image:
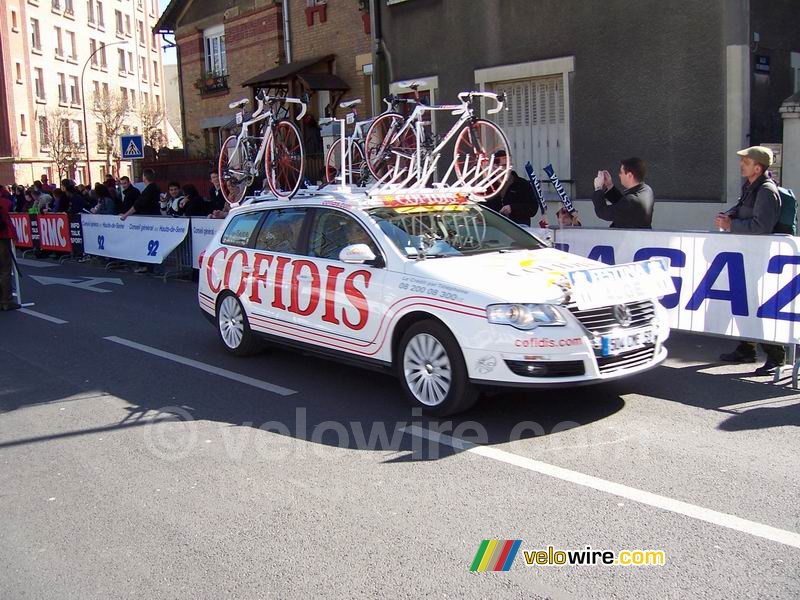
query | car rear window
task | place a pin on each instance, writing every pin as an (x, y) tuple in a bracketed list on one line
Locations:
[(240, 229)]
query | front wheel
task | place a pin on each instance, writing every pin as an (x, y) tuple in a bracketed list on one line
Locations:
[(233, 169), (432, 370), (387, 153), (476, 144), (356, 164), (234, 328), (284, 160)]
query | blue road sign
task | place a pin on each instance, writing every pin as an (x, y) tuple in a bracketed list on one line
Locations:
[(132, 147)]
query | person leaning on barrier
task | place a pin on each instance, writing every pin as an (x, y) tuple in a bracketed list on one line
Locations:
[(631, 208), (216, 201), (105, 203), (191, 204), (129, 194), (147, 202), (756, 212), (7, 236)]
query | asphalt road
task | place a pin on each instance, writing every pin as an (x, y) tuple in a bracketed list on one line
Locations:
[(154, 465)]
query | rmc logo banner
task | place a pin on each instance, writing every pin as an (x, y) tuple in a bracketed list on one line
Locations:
[(54, 232), (743, 286)]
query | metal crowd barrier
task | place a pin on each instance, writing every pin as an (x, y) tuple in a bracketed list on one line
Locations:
[(178, 263)]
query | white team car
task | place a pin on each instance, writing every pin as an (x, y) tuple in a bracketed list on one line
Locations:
[(450, 295)]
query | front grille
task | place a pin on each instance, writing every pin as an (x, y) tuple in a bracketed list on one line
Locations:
[(542, 368), (601, 321), (626, 360)]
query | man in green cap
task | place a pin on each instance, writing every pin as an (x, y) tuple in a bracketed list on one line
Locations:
[(756, 212)]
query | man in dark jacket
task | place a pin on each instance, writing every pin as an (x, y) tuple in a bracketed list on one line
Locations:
[(7, 235), (147, 202), (631, 208), (129, 194), (515, 200), (216, 201), (756, 212)]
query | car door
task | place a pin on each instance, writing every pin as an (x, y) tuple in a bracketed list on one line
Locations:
[(351, 296), (280, 242)]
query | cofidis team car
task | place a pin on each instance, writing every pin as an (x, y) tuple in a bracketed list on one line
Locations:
[(450, 295)]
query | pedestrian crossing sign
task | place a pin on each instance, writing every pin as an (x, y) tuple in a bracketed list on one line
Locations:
[(132, 147)]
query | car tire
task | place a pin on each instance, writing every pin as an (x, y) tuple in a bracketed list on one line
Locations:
[(234, 328), (432, 370)]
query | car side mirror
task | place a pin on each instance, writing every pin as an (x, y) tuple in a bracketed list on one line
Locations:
[(357, 254)]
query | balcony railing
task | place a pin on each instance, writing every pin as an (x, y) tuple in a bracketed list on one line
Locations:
[(211, 84)]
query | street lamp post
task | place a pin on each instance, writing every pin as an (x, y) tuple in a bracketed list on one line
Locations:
[(83, 96)]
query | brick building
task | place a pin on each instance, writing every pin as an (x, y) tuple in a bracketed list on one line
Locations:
[(229, 49), (55, 57)]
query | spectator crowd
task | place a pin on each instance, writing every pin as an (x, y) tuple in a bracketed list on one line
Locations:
[(117, 197)]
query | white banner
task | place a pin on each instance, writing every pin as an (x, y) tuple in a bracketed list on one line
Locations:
[(203, 231), (743, 286), (140, 239)]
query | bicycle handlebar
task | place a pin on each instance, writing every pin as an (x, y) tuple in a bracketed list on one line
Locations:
[(263, 98), (391, 100), (499, 98)]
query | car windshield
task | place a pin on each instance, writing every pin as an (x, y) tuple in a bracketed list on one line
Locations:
[(451, 230)]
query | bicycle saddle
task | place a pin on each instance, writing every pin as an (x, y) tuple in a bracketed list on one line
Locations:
[(350, 103), (413, 85), (239, 104)]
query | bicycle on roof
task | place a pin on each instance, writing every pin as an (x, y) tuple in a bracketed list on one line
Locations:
[(278, 143), (356, 171), (401, 151)]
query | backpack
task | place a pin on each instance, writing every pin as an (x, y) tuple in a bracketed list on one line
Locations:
[(787, 219)]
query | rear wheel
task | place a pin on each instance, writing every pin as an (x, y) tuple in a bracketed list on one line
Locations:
[(234, 328), (432, 370), (233, 169), (284, 160), (388, 154), (476, 144), (356, 164)]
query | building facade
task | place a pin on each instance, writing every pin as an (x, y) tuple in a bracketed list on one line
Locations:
[(229, 49), (48, 77), (589, 84)]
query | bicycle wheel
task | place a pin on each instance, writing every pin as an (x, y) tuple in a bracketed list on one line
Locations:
[(387, 154), (477, 142), (356, 163), (284, 160), (234, 170)]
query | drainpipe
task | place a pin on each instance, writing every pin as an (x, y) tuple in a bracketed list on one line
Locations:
[(287, 42), (181, 100), (377, 67)]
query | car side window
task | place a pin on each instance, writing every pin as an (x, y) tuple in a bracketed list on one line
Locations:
[(281, 231), (332, 231), (240, 229)]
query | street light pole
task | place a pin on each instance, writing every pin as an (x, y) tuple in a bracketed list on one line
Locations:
[(83, 98)]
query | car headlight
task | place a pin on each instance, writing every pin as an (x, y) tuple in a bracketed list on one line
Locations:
[(525, 316)]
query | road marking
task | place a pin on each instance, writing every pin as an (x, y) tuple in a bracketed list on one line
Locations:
[(37, 264), (39, 315), (782, 536), (85, 283), (257, 383)]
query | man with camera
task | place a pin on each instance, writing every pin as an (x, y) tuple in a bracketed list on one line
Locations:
[(631, 208)]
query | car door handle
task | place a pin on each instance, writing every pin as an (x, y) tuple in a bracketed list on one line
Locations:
[(304, 278)]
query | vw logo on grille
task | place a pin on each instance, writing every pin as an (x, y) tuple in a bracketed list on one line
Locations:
[(623, 315)]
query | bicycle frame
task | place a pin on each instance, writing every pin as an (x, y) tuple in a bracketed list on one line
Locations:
[(260, 114), (467, 113)]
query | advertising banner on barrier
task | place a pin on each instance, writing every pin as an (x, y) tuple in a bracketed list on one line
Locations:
[(76, 234), (141, 239), (743, 286), (203, 231), (54, 233), (22, 225)]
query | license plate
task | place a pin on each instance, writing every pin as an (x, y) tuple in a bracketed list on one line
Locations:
[(626, 341)]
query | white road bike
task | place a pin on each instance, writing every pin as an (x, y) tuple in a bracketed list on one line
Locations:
[(401, 151), (278, 143), (356, 172)]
